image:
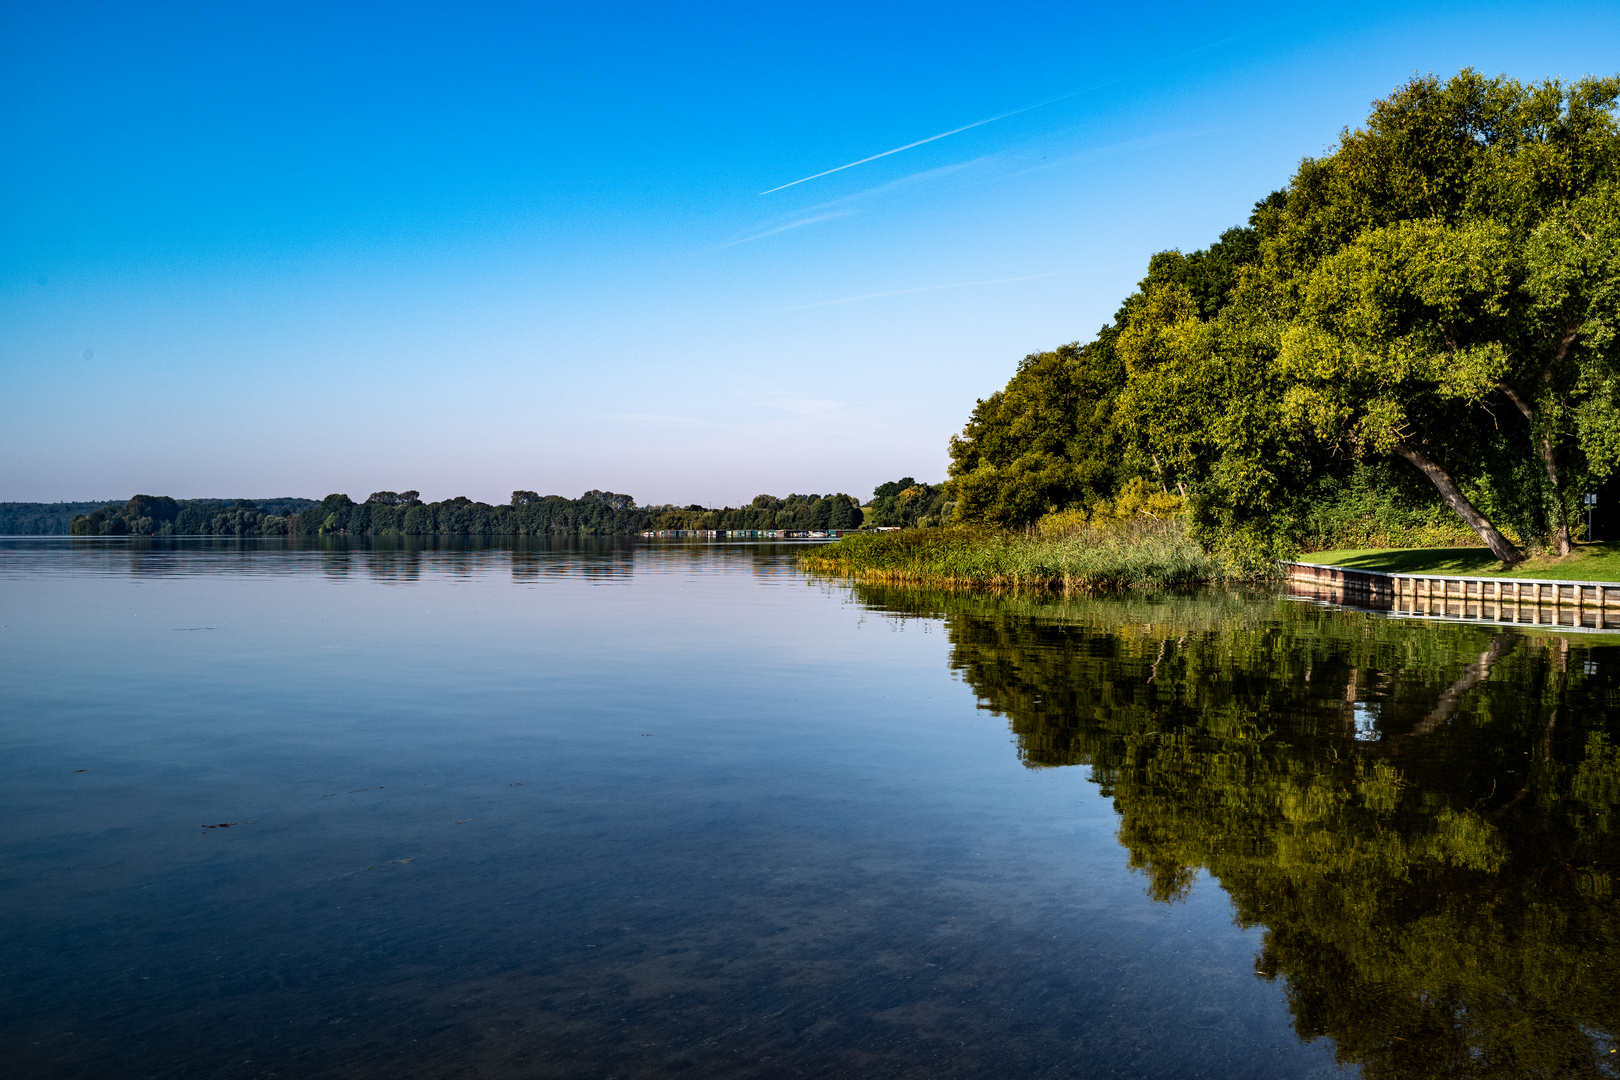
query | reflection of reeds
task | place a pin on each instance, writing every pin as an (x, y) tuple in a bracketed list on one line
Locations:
[(1130, 615), (1145, 553)]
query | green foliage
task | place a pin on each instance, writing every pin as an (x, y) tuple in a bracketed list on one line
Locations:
[(1044, 442), (41, 519), (1398, 334), (387, 513), (384, 513), (1200, 399), (597, 513), (1572, 277), (1208, 276), (147, 515), (1441, 291), (1139, 554), (905, 503), (1060, 435), (1068, 431), (1448, 274), (799, 513), (1378, 505)]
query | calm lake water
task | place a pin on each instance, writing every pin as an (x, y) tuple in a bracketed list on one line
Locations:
[(664, 808)]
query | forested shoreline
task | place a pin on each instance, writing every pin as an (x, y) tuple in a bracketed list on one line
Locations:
[(42, 519), (896, 504), (390, 513), (1412, 342)]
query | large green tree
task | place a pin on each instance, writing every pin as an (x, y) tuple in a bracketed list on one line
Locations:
[(1441, 289), (1053, 437), (1045, 441)]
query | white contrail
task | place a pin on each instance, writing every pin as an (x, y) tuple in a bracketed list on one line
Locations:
[(908, 146), (845, 201), (1143, 143), (1015, 112), (781, 229)]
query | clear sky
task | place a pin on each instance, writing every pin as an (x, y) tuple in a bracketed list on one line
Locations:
[(292, 249)]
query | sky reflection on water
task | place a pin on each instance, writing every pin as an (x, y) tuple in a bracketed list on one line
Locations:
[(640, 809)]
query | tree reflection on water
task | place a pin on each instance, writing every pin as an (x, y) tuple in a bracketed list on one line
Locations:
[(1421, 817)]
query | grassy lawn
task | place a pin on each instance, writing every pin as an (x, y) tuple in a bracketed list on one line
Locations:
[(1588, 562)]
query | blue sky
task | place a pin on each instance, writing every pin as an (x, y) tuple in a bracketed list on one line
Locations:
[(465, 248)]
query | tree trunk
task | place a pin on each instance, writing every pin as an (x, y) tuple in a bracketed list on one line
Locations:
[(1561, 533), (1476, 673), (1549, 462), (1159, 469), (1549, 455), (1459, 502)]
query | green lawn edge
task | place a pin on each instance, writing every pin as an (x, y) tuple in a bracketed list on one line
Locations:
[(1588, 562)]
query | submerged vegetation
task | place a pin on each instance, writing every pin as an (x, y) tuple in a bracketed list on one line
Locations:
[(1136, 554)]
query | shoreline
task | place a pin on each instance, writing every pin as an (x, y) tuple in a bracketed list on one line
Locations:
[(1151, 553)]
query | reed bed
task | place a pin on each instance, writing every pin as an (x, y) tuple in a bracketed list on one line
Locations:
[(1143, 554)]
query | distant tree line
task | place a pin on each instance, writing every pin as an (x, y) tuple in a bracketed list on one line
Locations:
[(403, 513), (389, 513), (384, 513), (40, 519), (766, 512), (160, 515)]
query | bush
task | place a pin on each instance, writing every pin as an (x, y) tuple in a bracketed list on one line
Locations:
[(1142, 553), (1379, 505)]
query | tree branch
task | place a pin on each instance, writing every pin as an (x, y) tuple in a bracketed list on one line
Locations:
[(1500, 546), (1516, 399), (1472, 676), (1570, 337)]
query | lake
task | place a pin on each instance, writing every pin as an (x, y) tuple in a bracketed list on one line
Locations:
[(645, 808)]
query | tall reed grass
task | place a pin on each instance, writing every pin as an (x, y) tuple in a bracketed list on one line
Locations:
[(1144, 553)]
